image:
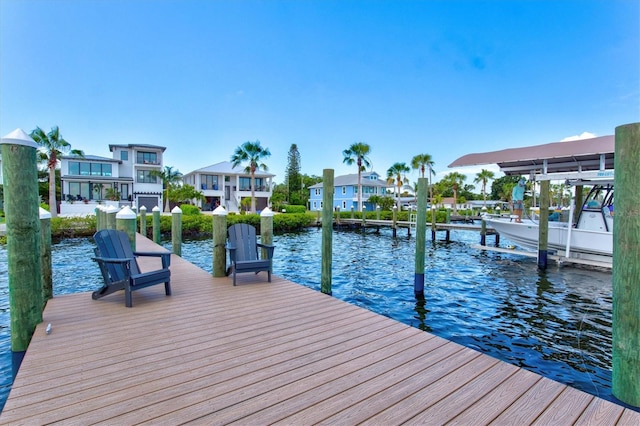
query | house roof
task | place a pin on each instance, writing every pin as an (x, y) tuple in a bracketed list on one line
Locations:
[(90, 158), (352, 179), (570, 156), (226, 168), (136, 145)]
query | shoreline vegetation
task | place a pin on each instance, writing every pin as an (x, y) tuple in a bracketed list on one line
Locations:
[(196, 224)]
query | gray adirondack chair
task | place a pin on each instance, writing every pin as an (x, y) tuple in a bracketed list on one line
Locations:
[(120, 270), (243, 251)]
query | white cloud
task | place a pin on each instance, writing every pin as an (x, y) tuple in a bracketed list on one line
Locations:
[(583, 135)]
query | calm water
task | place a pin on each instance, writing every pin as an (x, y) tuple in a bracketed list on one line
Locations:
[(556, 323)]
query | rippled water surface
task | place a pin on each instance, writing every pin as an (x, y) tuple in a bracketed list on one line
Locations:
[(555, 323)]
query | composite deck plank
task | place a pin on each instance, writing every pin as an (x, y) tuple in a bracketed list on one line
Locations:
[(261, 353)]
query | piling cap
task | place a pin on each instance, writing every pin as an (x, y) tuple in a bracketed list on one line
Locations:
[(266, 212), (112, 209), (44, 214), (219, 211), (176, 210), (126, 213), (143, 208), (156, 209), (19, 137)]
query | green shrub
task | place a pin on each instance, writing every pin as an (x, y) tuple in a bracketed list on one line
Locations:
[(188, 209), (293, 209)]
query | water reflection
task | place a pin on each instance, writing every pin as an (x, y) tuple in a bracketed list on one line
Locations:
[(556, 323)]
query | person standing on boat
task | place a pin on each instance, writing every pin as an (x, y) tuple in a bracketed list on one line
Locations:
[(517, 198)]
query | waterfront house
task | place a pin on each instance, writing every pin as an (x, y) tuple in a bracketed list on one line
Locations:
[(124, 179), (225, 185), (345, 194)]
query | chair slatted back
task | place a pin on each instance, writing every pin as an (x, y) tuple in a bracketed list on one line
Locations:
[(115, 244), (243, 238)]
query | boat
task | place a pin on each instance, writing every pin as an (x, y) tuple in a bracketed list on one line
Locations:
[(589, 239)]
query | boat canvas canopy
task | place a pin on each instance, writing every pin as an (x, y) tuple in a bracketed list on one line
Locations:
[(594, 154)]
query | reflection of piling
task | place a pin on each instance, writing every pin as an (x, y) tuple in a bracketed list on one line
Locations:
[(22, 212), (219, 240), (45, 258), (176, 231), (327, 230), (626, 266), (394, 221), (421, 230), (543, 226), (433, 222)]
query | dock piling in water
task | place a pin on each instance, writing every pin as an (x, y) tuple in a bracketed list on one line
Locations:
[(327, 230), (421, 231), (219, 240)]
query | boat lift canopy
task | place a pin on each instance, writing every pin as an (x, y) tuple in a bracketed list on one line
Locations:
[(580, 159)]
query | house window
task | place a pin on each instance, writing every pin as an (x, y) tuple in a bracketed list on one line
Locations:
[(315, 205), (124, 191), (144, 176), (89, 169), (80, 190), (317, 191), (344, 190), (124, 155), (245, 184), (344, 205), (143, 157), (209, 182)]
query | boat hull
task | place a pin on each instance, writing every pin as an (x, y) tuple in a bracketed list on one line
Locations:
[(585, 244)]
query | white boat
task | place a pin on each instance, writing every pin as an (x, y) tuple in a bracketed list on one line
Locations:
[(591, 238)]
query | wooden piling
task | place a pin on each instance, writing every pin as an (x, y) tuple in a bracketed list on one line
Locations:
[(394, 221), (483, 232), (219, 241), (327, 230), (156, 224), (433, 222), (266, 229), (111, 217), (22, 218), (176, 231), (543, 226), (626, 266), (143, 221), (45, 257), (421, 230), (126, 221)]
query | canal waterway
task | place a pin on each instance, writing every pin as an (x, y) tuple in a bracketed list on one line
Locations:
[(555, 323)]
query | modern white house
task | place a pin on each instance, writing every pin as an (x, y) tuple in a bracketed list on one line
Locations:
[(124, 179), (225, 185), (346, 191)]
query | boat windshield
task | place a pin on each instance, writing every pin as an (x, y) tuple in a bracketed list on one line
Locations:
[(600, 196)]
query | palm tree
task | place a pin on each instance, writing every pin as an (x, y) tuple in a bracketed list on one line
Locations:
[(484, 176), (358, 153), (396, 173), (52, 147), (421, 162), (169, 178), (252, 153), (456, 179)]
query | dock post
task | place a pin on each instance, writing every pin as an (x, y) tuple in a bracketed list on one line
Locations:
[(327, 230), (98, 218), (126, 221), (364, 218), (143, 221), (377, 213), (433, 222), (176, 231), (394, 221), (219, 241), (543, 225), (45, 258), (352, 216), (578, 204), (318, 218), (266, 229), (483, 232), (111, 217), (448, 217), (338, 216), (156, 224), (626, 268), (21, 206), (421, 232)]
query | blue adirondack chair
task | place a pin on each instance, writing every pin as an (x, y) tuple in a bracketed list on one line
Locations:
[(120, 269), (243, 251)]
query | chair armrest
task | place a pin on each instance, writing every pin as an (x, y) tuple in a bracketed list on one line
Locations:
[(166, 256), (270, 248), (113, 259), (232, 252)]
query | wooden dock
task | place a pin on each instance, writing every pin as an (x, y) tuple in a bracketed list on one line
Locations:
[(262, 353)]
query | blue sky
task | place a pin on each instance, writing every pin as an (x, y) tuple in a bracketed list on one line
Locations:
[(446, 78)]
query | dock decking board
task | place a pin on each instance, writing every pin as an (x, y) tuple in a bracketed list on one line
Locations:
[(262, 353)]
